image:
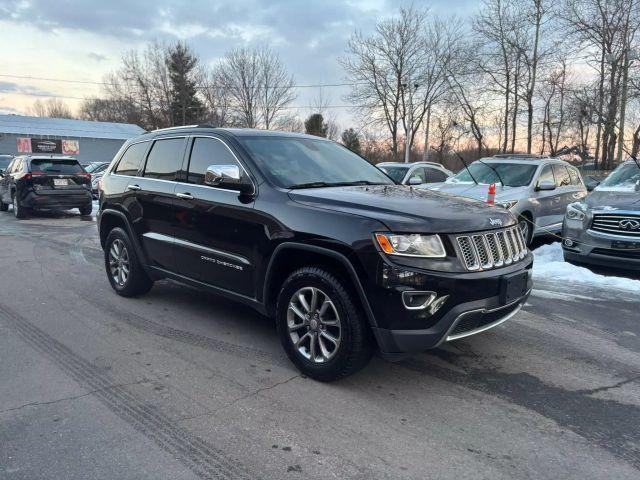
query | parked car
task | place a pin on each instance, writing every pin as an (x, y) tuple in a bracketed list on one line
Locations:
[(39, 182), (303, 230), (415, 173), (5, 160), (535, 189), (604, 228), (96, 170)]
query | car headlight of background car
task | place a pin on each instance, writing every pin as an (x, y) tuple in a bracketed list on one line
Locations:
[(507, 204), (412, 245), (576, 211)]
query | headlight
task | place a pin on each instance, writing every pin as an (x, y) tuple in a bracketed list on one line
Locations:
[(576, 211), (413, 245), (508, 204)]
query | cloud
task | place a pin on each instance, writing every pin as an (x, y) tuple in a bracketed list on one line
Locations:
[(98, 57), (11, 87)]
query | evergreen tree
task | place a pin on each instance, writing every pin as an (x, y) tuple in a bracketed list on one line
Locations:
[(315, 125), (186, 107), (351, 141)]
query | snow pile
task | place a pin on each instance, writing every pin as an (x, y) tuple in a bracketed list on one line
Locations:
[(549, 265)]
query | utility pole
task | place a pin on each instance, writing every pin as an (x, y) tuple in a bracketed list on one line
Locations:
[(629, 56), (427, 125), (409, 121)]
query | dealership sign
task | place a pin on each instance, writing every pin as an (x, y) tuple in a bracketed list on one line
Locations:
[(35, 145)]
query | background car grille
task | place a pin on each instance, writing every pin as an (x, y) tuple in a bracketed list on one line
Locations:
[(487, 250), (611, 223)]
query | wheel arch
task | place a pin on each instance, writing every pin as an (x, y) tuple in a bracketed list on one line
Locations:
[(289, 256), (110, 219)]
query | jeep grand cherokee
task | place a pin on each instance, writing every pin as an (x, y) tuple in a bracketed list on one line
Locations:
[(305, 231)]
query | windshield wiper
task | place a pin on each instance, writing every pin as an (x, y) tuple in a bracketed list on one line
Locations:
[(494, 171), (332, 184)]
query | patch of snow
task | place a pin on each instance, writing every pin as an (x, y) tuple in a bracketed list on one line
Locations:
[(549, 265)]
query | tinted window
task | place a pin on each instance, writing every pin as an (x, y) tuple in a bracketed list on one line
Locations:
[(575, 177), (397, 173), (206, 152), (67, 167), (295, 162), (165, 159), (546, 175), (562, 175), (434, 175), (132, 159)]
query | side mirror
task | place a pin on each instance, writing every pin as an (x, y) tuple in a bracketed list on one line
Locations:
[(545, 186), (591, 186), (415, 180), (227, 176)]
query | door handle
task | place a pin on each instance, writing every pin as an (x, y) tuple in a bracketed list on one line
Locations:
[(186, 196), (133, 187)]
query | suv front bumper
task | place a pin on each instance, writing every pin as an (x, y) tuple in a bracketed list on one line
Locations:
[(596, 248)]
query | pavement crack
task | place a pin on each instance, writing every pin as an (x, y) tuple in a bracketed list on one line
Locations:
[(610, 387), (240, 399), (74, 397)]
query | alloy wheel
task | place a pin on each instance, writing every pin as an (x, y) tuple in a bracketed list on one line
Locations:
[(314, 324), (119, 262)]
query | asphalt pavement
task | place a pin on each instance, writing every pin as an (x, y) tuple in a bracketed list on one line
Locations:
[(181, 384)]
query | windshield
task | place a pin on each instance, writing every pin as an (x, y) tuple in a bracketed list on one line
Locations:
[(303, 162), (395, 172), (92, 166), (623, 177), (5, 160), (56, 166), (513, 174)]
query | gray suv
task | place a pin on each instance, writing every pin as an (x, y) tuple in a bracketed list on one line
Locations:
[(536, 189), (604, 229)]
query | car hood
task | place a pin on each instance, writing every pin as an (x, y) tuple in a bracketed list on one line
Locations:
[(478, 192), (406, 209), (614, 199)]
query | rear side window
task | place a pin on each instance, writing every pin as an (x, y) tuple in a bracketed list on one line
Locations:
[(64, 167), (546, 175), (132, 159), (165, 159), (434, 175), (206, 152), (575, 177), (562, 176), (418, 172)]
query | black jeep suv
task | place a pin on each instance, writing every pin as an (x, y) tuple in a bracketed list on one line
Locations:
[(305, 231), (33, 182)]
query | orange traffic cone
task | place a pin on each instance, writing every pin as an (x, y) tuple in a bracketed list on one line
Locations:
[(491, 196)]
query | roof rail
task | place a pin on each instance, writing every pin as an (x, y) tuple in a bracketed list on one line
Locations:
[(523, 156), (201, 125)]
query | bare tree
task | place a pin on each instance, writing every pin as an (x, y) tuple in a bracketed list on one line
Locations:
[(276, 86), (217, 102), (53, 108)]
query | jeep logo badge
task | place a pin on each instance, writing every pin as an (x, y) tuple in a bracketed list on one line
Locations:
[(495, 221), (629, 224)]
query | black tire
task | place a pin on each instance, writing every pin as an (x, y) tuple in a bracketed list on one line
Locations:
[(19, 211), (86, 210), (3, 206), (355, 347), (137, 282), (529, 233)]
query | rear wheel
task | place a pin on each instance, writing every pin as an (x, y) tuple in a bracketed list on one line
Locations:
[(125, 273), (321, 329), (86, 210), (19, 211)]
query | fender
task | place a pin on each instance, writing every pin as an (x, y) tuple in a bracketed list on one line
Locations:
[(280, 249), (132, 236)]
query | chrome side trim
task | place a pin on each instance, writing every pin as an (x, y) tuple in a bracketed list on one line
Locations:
[(611, 236), (195, 246)]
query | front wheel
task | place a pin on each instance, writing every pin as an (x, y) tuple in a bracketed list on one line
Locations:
[(125, 273), (321, 329), (3, 206)]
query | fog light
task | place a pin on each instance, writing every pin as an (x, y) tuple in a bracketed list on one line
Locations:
[(568, 242), (413, 300)]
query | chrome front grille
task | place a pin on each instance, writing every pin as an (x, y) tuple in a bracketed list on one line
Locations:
[(617, 224), (487, 250)]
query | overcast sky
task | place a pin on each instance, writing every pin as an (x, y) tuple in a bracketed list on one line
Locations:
[(84, 39)]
